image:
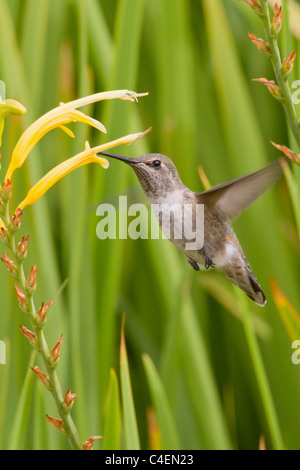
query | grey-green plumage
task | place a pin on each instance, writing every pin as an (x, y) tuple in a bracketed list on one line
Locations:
[(161, 183)]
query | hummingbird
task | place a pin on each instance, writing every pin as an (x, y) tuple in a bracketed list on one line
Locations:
[(221, 248)]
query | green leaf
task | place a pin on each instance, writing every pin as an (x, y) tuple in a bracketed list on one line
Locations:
[(165, 418), (112, 429), (132, 440), (20, 421)]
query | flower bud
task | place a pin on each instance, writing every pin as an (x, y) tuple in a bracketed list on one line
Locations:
[(272, 87), (69, 400), (16, 220), (21, 299), (277, 20), (58, 423), (295, 157), (254, 5), (41, 316), (32, 338), (22, 248), (43, 377), (287, 64), (9, 263), (3, 235), (31, 280), (261, 45), (55, 353), (6, 190), (87, 445)]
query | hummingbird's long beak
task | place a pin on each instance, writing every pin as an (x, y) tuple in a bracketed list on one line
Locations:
[(128, 160)]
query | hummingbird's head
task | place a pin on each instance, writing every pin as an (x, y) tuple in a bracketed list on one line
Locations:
[(157, 174)]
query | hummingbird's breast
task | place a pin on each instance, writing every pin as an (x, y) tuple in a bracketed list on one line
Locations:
[(181, 218)]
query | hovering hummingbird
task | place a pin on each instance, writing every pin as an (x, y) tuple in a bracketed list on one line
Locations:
[(221, 249)]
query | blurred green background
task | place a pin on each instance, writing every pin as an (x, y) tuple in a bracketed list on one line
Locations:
[(208, 368)]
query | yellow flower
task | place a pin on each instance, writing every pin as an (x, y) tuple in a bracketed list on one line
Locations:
[(8, 107), (83, 158), (1, 224), (58, 117)]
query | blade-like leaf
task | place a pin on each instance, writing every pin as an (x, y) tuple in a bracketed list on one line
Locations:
[(165, 418), (112, 429), (132, 440)]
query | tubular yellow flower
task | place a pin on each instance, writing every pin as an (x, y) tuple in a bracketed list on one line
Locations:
[(58, 117), (1, 223), (83, 158), (8, 107)]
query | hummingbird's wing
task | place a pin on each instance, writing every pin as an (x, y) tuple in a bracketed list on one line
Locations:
[(230, 199)]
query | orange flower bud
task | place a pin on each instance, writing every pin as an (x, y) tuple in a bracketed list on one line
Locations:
[(6, 190), (295, 157), (261, 45), (32, 338), (41, 316), (55, 353), (31, 281), (16, 220), (3, 234), (288, 63), (272, 87), (9, 264), (254, 5), (277, 20), (87, 445), (57, 423), (21, 299), (43, 377), (69, 400), (22, 247)]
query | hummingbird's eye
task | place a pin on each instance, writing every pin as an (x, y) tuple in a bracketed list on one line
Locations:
[(156, 163)]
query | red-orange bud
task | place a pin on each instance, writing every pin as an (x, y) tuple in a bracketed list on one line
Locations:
[(69, 400), (21, 299), (3, 234), (272, 87), (16, 220), (22, 247), (41, 316), (295, 157), (9, 264), (31, 280), (58, 423), (261, 45), (254, 5), (277, 20), (87, 445), (32, 338), (55, 353), (42, 376), (287, 64), (6, 190)]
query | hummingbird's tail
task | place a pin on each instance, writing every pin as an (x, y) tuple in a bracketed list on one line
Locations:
[(242, 276)]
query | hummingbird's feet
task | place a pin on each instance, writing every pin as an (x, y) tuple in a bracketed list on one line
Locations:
[(209, 263), (193, 264)]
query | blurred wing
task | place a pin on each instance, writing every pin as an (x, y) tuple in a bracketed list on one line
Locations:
[(230, 199)]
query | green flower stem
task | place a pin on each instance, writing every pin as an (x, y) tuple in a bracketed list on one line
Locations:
[(282, 82), (54, 388)]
